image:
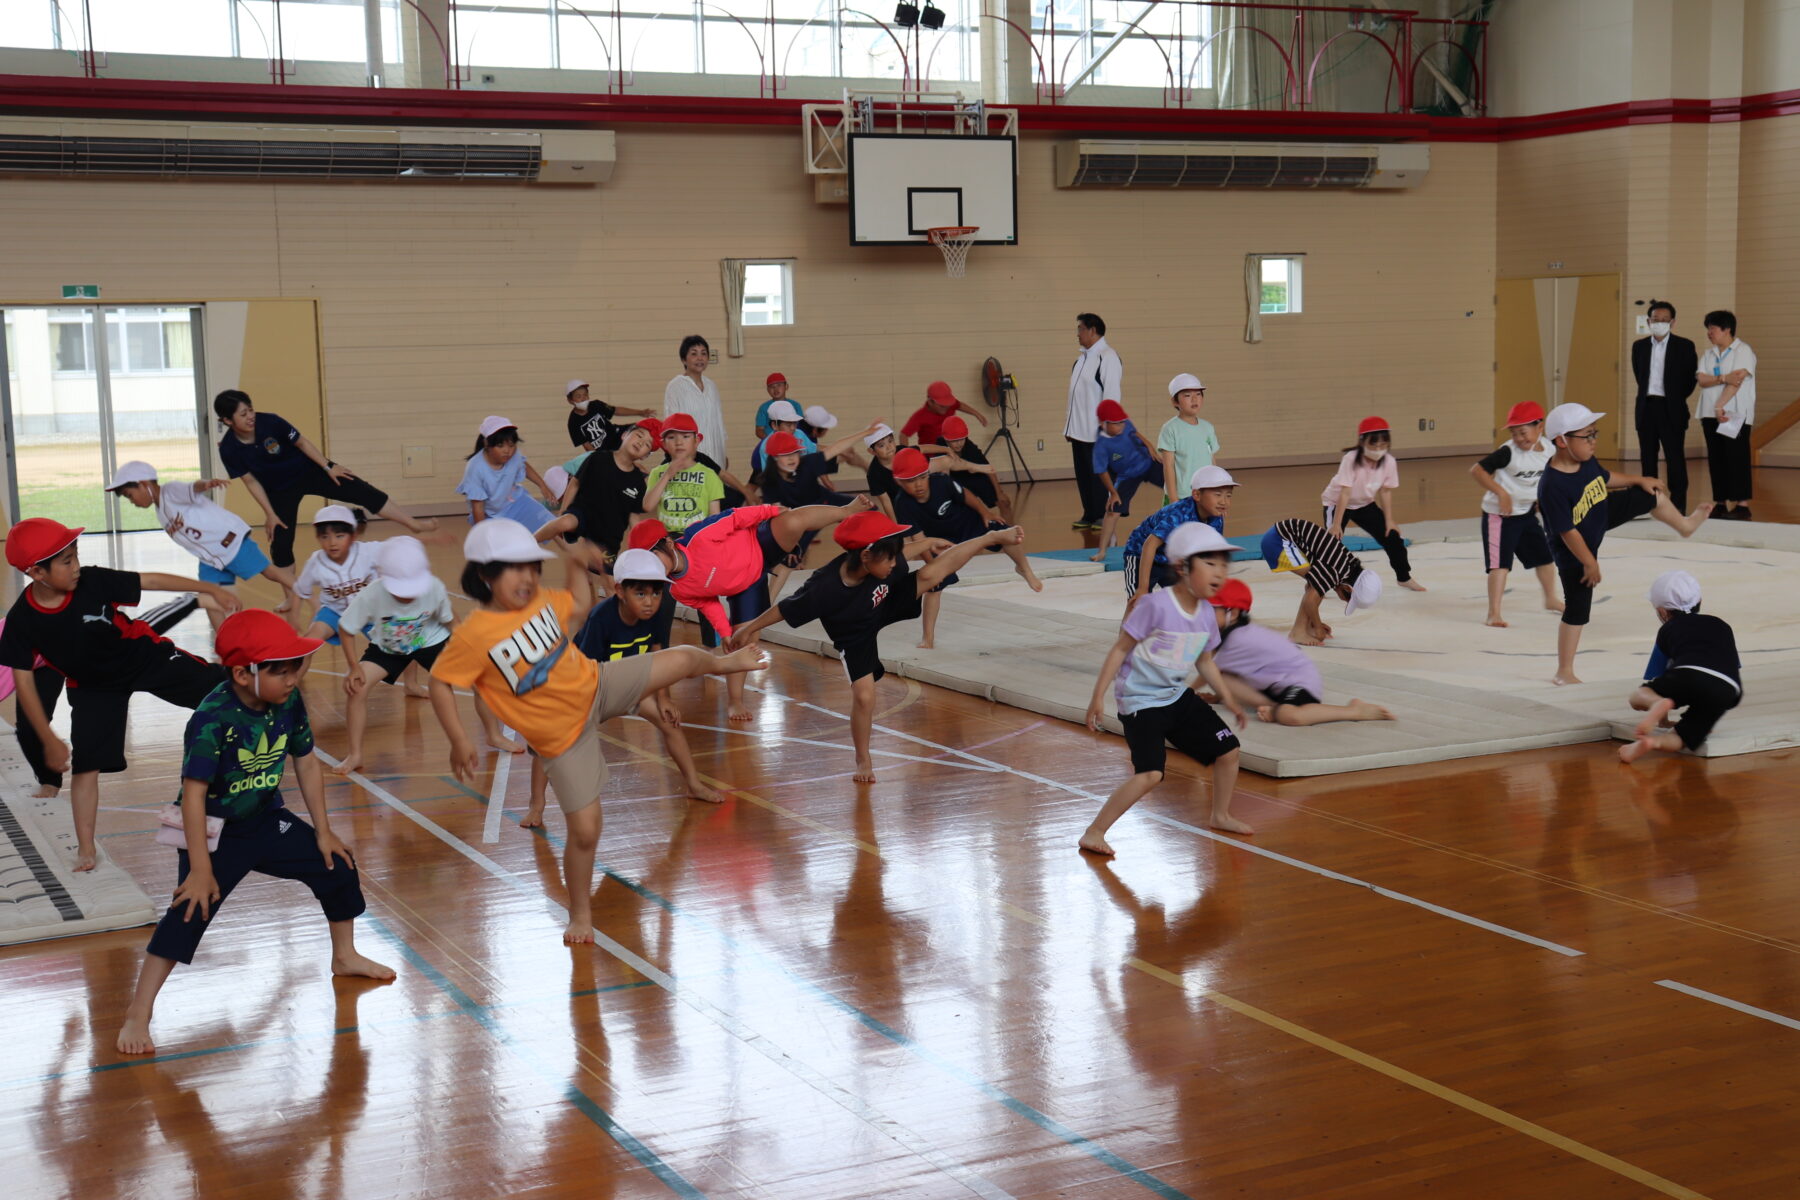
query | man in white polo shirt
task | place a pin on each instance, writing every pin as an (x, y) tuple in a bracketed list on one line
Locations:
[(1096, 377)]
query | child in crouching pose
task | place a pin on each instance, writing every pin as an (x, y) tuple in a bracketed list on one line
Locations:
[(1701, 675)]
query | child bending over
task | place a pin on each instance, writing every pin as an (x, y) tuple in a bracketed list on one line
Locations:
[(1268, 672)]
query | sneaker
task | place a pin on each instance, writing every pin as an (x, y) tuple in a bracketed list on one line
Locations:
[(1085, 525)]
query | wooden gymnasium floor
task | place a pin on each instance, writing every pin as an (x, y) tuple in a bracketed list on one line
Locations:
[(1535, 976)]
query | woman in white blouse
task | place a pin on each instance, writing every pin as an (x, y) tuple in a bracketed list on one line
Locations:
[(692, 393)]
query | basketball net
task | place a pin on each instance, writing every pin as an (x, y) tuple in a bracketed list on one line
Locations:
[(954, 241)]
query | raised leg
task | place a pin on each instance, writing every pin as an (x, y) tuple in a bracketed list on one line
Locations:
[(1547, 580), (690, 662), (1666, 512), (1022, 562), (534, 815), (496, 733), (283, 577), (400, 516)]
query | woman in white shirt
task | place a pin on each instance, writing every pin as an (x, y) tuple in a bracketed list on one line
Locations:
[(1727, 379), (692, 393)]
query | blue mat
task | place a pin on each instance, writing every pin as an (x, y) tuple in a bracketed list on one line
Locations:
[(1247, 549)]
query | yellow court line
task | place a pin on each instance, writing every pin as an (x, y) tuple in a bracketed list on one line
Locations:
[(913, 692), (1499, 1116)]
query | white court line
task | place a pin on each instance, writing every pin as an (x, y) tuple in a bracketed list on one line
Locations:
[(1739, 1005), (1235, 843), (490, 827), (846, 1100), (986, 769)]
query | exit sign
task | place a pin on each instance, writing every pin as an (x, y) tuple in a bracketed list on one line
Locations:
[(81, 291)]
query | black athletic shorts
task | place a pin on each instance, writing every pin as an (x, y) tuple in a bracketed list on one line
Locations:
[(1703, 698), (1291, 693), (1162, 575), (1504, 537), (1578, 598), (393, 664), (1190, 725), (97, 715)]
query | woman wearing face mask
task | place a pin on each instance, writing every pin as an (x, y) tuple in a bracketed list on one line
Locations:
[(1362, 491)]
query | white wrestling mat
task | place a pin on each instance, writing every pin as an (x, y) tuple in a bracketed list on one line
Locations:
[(40, 897), (1457, 687)]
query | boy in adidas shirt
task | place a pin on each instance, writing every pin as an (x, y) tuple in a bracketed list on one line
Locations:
[(237, 743)]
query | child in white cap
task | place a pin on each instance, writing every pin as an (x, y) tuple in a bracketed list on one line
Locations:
[(1163, 639), (1146, 565), (494, 479), (1701, 675), (1578, 509), (1186, 442), (342, 566), (1309, 550)]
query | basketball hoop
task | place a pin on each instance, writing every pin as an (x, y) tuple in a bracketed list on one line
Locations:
[(954, 241)]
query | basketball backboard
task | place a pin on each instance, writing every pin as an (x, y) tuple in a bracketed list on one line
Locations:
[(902, 184)]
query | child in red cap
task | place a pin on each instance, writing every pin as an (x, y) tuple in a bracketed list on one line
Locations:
[(70, 615), (683, 489), (976, 473), (1360, 492), (1509, 517), (795, 477), (1263, 670), (231, 820), (937, 507), (861, 592), (926, 425), (1123, 459)]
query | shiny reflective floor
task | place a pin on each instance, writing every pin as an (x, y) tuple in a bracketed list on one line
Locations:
[(1543, 975)]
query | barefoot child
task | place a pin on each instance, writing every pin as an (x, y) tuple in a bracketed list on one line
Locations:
[(937, 507), (215, 535), (69, 615), (1509, 521), (1146, 565), (1269, 673), (341, 567), (1163, 639), (861, 592), (1301, 546), (1185, 443), (1575, 498), (514, 651), (1702, 674), (1362, 491), (237, 743), (495, 474), (1122, 461)]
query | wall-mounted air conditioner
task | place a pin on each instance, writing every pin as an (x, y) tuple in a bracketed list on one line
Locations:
[(1240, 165)]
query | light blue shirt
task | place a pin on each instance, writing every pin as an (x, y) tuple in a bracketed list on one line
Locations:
[(495, 487)]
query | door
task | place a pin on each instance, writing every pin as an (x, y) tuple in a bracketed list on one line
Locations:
[(1557, 340), (88, 387)]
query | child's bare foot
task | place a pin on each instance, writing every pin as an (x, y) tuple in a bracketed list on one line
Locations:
[(1564, 678), (351, 762), (533, 818), (1632, 751), (357, 965), (87, 860), (1229, 823), (1495, 620), (1321, 629), (865, 771), (699, 791), (1550, 605), (1412, 585), (1093, 843), (578, 933), (134, 1036), (926, 644), (750, 658), (1097, 556), (1363, 710), (417, 691), (1036, 584), (427, 524), (506, 745), (45, 791), (1653, 717), (1695, 519), (737, 712), (1305, 637), (1266, 712), (287, 605)]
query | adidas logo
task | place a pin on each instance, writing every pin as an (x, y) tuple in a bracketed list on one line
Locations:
[(262, 763)]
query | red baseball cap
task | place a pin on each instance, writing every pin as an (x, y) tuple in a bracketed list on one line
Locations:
[(1372, 425), (864, 529), (652, 426), (782, 443), (953, 428), (682, 423), (1111, 410), (775, 377), (940, 393), (37, 538), (646, 534), (1234, 593), (910, 463), (256, 635), (1526, 412)]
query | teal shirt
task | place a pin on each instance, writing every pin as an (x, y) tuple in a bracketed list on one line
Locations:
[(1194, 447), (240, 753)]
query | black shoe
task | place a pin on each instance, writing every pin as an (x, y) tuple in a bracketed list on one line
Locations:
[(1741, 513)]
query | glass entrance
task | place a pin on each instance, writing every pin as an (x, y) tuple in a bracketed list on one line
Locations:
[(88, 387)]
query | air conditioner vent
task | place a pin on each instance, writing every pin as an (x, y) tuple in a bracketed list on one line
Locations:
[(1237, 165)]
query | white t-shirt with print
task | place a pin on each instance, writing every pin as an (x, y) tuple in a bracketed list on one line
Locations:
[(211, 533), (400, 626), (338, 583)]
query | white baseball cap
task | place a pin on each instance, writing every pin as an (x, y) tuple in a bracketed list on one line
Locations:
[(335, 512), (557, 480), (641, 566), (881, 431), (492, 425), (1184, 383), (405, 571), (1675, 591), (1211, 477), (572, 385), (1190, 538), (132, 472), (1364, 592), (819, 418), (1567, 418), (784, 410), (502, 539)]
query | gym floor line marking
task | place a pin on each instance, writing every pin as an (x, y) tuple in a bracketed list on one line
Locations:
[(855, 1105), (1728, 1002), (1462, 1100), (763, 737), (496, 798)]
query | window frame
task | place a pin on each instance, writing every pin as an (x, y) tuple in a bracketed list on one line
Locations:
[(787, 294), (1296, 285)]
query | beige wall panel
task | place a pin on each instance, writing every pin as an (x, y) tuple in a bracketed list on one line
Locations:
[(1562, 200), (1768, 260)]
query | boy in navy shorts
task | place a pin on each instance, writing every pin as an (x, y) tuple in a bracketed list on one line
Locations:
[(1700, 674), (70, 615), (232, 819), (1574, 496)]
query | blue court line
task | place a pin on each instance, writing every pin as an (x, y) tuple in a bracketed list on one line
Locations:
[(582, 1102), (874, 1024)]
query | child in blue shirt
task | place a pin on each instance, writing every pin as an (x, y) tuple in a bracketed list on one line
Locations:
[(494, 479), (1122, 461), (1163, 640), (1146, 567)]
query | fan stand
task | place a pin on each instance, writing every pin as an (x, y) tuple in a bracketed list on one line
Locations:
[(1009, 416)]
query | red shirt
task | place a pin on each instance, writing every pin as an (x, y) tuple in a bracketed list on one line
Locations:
[(928, 425)]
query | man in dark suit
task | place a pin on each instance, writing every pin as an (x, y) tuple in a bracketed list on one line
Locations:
[(1665, 366)]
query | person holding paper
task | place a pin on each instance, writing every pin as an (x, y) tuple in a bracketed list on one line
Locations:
[(1727, 379)]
